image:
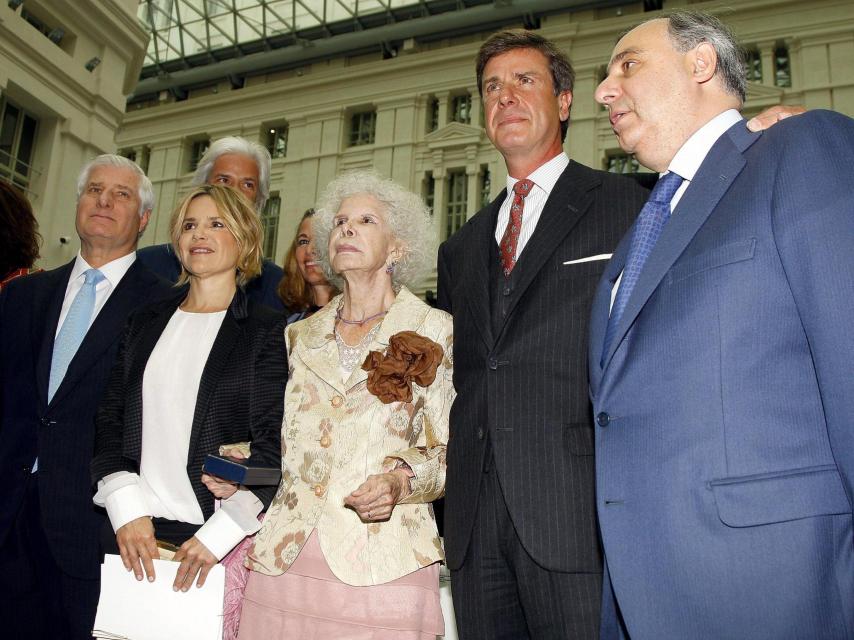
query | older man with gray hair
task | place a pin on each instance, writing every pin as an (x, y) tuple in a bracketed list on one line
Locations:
[(245, 166), (59, 335), (721, 356)]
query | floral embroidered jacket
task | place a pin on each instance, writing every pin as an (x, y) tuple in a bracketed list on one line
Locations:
[(336, 433)]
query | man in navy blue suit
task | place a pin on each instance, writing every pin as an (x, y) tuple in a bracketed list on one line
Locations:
[(59, 334), (721, 354), (244, 165)]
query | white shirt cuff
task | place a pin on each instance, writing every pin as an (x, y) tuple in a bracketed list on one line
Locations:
[(236, 519), (122, 497)]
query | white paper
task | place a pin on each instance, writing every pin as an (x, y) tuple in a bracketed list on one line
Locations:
[(142, 610)]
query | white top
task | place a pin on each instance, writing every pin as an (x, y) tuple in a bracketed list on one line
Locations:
[(690, 156), (113, 272), (544, 178), (162, 488)]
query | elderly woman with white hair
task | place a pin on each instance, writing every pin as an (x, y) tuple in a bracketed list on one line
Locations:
[(349, 547)]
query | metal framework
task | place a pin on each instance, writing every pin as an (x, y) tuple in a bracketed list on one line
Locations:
[(197, 42), (191, 33)]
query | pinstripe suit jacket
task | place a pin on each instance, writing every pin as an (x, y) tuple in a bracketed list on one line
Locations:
[(60, 432), (527, 385), (240, 398)]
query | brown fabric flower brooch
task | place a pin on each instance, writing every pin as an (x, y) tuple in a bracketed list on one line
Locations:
[(408, 358)]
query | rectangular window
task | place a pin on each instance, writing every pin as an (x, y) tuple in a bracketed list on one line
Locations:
[(18, 131), (782, 68), (433, 115), (457, 201), (753, 65), (277, 141), (429, 190), (363, 127), (270, 222), (485, 186), (622, 163), (461, 109), (197, 150)]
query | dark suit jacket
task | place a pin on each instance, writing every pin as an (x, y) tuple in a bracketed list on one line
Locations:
[(61, 433), (725, 459), (527, 385), (241, 393), (161, 259)]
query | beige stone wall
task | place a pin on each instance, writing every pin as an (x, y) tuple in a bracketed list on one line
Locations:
[(78, 111)]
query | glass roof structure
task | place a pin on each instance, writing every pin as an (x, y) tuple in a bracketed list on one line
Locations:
[(189, 33), (195, 42)]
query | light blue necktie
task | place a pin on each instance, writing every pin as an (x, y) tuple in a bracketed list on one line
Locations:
[(653, 216), (73, 330)]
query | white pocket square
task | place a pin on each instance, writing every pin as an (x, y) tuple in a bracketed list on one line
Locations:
[(601, 256)]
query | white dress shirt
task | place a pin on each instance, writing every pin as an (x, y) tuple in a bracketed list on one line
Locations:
[(113, 272), (162, 488), (544, 178), (690, 156)]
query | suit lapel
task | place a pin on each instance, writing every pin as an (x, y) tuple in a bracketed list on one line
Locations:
[(107, 327), (568, 201), (54, 296), (318, 350), (602, 307), (718, 171), (477, 266)]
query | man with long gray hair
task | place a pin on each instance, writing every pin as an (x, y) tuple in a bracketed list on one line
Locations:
[(243, 165), (721, 356), (59, 335)]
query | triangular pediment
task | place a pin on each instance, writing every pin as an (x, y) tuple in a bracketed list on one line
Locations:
[(760, 94), (454, 134)]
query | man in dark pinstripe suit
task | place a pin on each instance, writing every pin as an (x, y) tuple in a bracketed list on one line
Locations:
[(520, 524)]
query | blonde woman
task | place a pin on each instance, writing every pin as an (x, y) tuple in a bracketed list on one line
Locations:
[(349, 547), (201, 369)]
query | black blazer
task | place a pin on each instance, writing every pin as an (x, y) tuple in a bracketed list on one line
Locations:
[(525, 388), (264, 289), (241, 393), (61, 433)]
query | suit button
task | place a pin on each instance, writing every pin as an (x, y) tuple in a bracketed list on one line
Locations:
[(45, 422), (603, 419), (506, 291), (337, 401), (493, 364), (480, 434), (25, 469)]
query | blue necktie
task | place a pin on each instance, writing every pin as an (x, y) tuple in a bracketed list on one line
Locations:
[(73, 330), (650, 223)]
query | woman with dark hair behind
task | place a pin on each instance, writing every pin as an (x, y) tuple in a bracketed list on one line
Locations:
[(19, 238), (304, 288)]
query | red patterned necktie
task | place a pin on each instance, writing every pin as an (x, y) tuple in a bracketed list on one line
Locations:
[(514, 225)]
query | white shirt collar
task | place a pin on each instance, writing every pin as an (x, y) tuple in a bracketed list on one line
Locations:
[(113, 271), (690, 156), (546, 175)]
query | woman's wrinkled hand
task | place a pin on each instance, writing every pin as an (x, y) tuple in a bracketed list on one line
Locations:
[(195, 559), (220, 487), (138, 547), (376, 497)]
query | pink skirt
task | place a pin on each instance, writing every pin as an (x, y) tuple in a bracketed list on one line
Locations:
[(309, 603)]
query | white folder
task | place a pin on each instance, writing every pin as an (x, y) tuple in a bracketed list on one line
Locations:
[(140, 610)]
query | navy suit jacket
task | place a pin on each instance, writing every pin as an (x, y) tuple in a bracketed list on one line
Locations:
[(61, 433), (161, 259), (725, 408)]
